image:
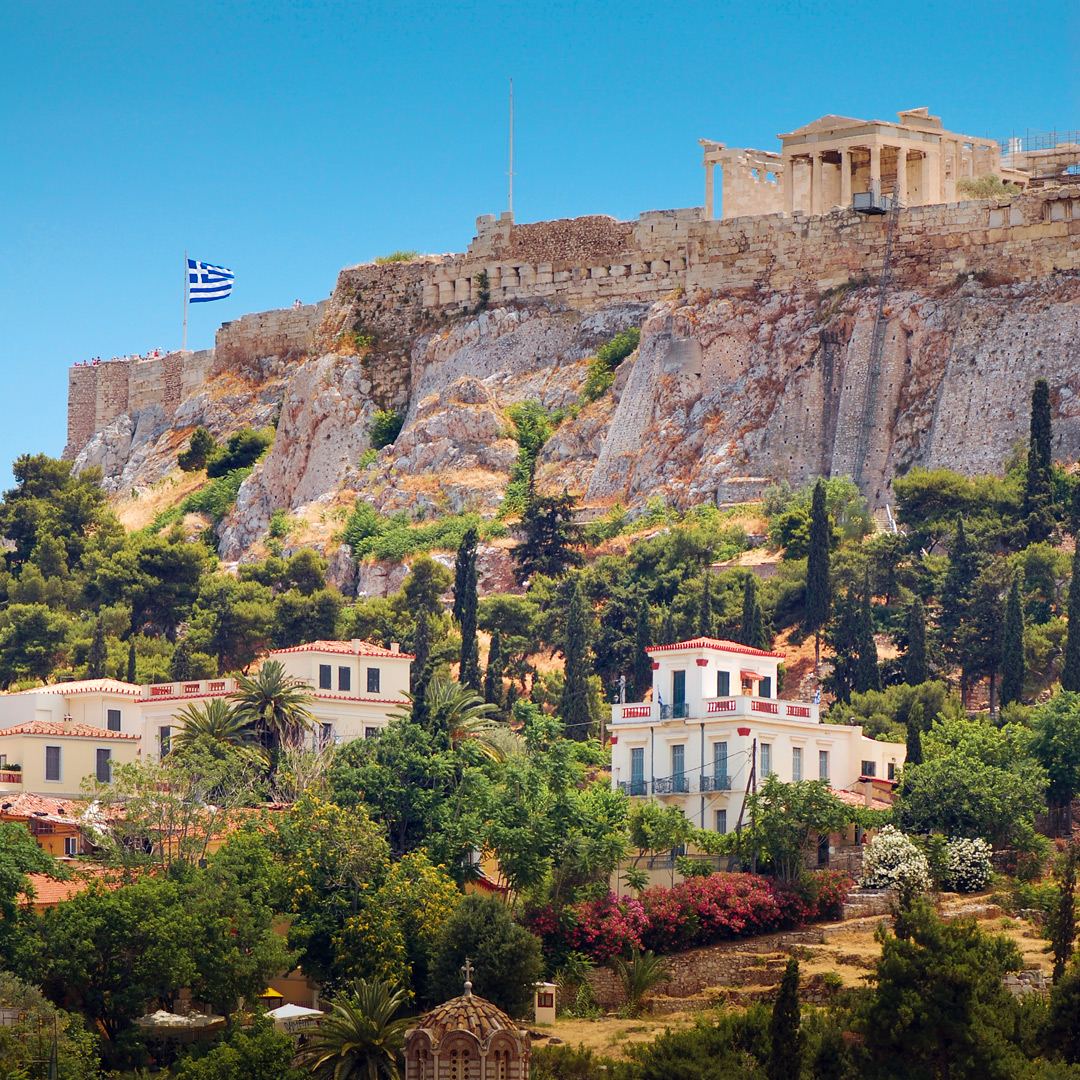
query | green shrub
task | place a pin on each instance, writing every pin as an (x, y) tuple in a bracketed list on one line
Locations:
[(241, 451), (367, 458), (369, 534), (385, 427), (280, 525), (608, 357), (986, 187), (531, 427), (217, 498), (201, 446), (403, 255)]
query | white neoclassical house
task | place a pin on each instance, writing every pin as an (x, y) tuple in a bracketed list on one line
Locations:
[(714, 712), (356, 687)]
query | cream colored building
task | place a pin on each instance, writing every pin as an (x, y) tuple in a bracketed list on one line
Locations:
[(55, 757), (356, 686), (714, 714), (834, 159)]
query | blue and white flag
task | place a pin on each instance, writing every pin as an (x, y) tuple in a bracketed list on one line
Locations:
[(206, 282)]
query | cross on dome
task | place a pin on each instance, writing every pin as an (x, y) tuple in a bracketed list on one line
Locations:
[(467, 970)]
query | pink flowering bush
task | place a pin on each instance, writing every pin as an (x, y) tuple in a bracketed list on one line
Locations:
[(698, 911)]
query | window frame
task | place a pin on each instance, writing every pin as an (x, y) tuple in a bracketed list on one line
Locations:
[(721, 817), (765, 759), (59, 777), (796, 760), (109, 714), (374, 680), (869, 773), (823, 765), (107, 751), (326, 676), (344, 678), (723, 684)]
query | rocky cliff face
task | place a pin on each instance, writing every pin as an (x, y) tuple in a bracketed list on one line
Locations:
[(725, 392)]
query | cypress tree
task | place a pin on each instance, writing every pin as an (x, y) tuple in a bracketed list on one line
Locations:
[(1061, 926), (1070, 669), (914, 735), (493, 676), (574, 705), (752, 625), (421, 650), (785, 1041), (98, 654), (180, 667), (817, 570), (916, 669), (641, 675), (866, 669), (956, 594), (667, 628), (705, 612), (844, 639), (1038, 492), (131, 662), (1013, 668), (465, 605)]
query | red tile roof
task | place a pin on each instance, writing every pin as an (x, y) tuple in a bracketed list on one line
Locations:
[(48, 892), (719, 644), (86, 686), (58, 728), (851, 798), (345, 648), (27, 803)]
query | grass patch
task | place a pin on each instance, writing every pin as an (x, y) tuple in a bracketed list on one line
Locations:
[(216, 498), (372, 535), (404, 255), (608, 357)]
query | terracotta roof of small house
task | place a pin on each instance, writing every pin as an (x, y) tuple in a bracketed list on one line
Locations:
[(851, 798), (719, 644), (85, 686), (345, 648), (48, 892), (465, 1013), (58, 728), (28, 804)]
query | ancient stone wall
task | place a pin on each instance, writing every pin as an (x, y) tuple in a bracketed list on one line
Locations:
[(588, 262), (288, 332)]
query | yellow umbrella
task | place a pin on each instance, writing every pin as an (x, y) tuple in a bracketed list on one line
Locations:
[(270, 992)]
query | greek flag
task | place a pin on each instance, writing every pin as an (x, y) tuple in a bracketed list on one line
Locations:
[(206, 282)]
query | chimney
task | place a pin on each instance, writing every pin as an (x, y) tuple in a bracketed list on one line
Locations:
[(356, 643), (869, 794), (395, 646), (67, 721)]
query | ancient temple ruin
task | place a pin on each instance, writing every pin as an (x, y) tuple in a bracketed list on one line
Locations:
[(831, 161)]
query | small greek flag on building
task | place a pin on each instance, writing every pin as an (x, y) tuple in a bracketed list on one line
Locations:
[(206, 282)]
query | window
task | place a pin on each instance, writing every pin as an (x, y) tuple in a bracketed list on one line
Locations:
[(678, 687), (114, 719), (373, 680), (325, 681), (723, 683), (766, 758), (326, 735), (719, 764), (71, 846), (765, 687), (104, 766), (637, 770), (869, 768), (164, 741), (721, 821), (52, 763), (678, 767), (796, 764), (823, 764), (344, 678), (370, 732), (892, 770)]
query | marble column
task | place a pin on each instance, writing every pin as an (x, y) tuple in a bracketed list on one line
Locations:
[(875, 170), (901, 174), (816, 192), (708, 189), (789, 185), (845, 178)]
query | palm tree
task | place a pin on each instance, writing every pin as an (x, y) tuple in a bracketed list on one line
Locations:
[(463, 714), (359, 1040), (639, 975), (275, 704), (215, 719)]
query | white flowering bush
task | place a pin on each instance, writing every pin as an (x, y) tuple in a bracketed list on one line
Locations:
[(892, 861), (968, 865)]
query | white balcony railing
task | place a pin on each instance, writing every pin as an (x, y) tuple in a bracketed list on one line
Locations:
[(193, 688), (715, 709)]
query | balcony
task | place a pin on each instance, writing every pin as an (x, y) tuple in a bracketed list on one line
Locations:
[(7, 776), (672, 785), (714, 783), (679, 784), (733, 708), (195, 688)]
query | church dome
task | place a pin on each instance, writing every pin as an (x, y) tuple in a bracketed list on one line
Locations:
[(465, 1013)]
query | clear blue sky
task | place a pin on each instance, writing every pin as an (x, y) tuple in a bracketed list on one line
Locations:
[(286, 140)]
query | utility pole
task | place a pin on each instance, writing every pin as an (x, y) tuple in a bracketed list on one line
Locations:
[(511, 173)]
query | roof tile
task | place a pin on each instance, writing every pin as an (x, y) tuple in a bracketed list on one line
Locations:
[(345, 648), (58, 728), (719, 644)]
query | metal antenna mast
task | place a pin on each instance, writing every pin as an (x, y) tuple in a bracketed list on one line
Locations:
[(511, 174)]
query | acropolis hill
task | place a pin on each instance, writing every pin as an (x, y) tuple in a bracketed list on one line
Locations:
[(774, 344)]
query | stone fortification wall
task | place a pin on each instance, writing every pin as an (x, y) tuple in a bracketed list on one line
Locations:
[(592, 261), (289, 332)]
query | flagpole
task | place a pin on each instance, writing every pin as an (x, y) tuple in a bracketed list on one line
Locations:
[(183, 348)]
